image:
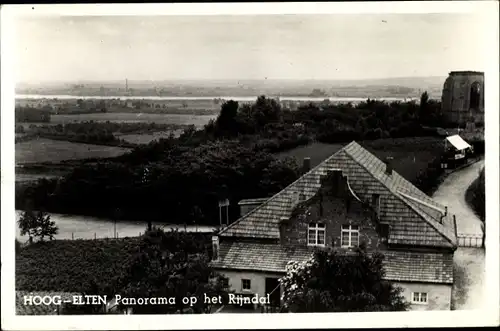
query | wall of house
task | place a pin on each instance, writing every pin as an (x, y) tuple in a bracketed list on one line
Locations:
[(333, 209), (438, 295), (334, 215), (257, 280)]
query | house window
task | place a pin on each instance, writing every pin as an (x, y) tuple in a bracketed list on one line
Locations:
[(246, 284), (350, 236), (419, 298), (316, 234)]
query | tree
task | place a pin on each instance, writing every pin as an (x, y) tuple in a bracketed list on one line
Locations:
[(37, 225), (424, 107), (171, 265), (226, 121), (335, 282)]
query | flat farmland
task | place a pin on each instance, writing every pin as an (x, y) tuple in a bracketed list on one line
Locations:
[(181, 119), (47, 150), (410, 155), (146, 138)]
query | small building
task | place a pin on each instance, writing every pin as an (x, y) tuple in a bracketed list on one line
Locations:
[(456, 151), (462, 100), (351, 199)]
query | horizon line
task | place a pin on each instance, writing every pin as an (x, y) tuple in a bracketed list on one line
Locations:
[(234, 79)]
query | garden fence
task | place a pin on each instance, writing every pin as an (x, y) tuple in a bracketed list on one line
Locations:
[(470, 240)]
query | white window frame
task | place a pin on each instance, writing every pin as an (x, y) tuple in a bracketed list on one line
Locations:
[(243, 280), (318, 228), (349, 229), (417, 298)]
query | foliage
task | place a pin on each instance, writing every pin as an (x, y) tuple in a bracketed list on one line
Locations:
[(184, 179), (37, 225), (158, 264), (336, 282), (30, 114), (100, 133), (189, 174), (72, 265), (171, 265), (430, 111), (476, 195)]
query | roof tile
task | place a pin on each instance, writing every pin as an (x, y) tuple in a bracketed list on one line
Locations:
[(413, 216), (399, 266)]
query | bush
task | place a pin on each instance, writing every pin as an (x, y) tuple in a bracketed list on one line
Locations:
[(476, 195)]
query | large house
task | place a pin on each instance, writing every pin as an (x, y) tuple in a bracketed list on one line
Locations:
[(350, 199)]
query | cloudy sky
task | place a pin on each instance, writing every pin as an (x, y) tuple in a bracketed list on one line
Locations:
[(329, 46)]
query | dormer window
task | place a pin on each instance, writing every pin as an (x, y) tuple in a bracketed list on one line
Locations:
[(316, 234)]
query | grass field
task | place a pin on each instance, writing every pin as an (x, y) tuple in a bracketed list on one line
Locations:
[(411, 155), (146, 138), (47, 150), (197, 120)]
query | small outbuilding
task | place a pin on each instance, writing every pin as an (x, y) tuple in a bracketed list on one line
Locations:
[(457, 150)]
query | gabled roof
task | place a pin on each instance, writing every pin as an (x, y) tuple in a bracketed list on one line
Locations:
[(458, 142), (249, 256), (399, 266), (414, 218)]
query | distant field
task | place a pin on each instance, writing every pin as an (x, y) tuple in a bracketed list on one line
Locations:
[(20, 177), (146, 138), (411, 155), (46, 150), (197, 120)]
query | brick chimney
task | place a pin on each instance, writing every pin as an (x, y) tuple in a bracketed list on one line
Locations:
[(388, 165), (306, 165)]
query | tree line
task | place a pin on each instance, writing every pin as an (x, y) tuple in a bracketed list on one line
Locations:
[(181, 180)]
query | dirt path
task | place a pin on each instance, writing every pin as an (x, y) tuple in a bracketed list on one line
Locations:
[(451, 193), (468, 289)]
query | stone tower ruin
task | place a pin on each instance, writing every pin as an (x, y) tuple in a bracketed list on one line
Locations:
[(462, 100)]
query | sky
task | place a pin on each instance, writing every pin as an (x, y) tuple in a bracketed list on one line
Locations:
[(323, 47)]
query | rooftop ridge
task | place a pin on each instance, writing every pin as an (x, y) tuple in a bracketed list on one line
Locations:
[(418, 200), (416, 189), (432, 224), (316, 168)]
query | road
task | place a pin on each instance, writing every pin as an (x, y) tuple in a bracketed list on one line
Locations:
[(451, 193), (469, 268)]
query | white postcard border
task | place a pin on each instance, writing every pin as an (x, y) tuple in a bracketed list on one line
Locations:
[(487, 316)]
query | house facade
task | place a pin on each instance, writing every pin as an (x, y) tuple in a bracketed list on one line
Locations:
[(351, 199)]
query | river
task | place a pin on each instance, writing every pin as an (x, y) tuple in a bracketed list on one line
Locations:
[(194, 98), (86, 227)]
